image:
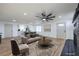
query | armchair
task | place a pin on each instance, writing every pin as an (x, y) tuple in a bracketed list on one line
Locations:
[(21, 49)]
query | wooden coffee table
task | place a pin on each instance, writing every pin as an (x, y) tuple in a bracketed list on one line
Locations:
[(44, 42)]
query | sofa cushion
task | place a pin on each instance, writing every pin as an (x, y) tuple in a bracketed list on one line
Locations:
[(18, 40), (23, 46), (24, 49), (31, 40), (24, 40)]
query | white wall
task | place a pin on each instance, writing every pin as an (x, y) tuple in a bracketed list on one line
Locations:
[(15, 28), (66, 18), (2, 29), (52, 33)]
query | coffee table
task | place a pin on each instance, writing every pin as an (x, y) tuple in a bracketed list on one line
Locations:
[(44, 42)]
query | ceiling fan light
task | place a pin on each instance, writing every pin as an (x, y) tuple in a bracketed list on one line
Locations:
[(44, 19)]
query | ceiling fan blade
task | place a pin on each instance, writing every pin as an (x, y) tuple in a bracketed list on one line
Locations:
[(43, 14), (49, 14), (47, 20), (39, 16), (52, 17)]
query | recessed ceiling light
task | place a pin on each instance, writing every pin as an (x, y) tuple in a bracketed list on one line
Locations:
[(59, 16), (60, 24), (25, 13), (14, 20)]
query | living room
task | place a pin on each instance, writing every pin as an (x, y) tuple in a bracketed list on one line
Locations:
[(36, 21)]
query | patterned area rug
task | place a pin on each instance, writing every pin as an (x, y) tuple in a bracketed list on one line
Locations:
[(34, 50), (54, 50)]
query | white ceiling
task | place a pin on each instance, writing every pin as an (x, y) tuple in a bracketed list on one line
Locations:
[(11, 11)]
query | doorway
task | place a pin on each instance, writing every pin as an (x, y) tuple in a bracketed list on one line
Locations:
[(61, 30), (8, 30)]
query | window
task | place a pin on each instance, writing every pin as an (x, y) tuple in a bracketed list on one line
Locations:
[(38, 28), (22, 27)]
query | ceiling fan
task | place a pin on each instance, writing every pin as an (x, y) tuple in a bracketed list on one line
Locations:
[(46, 17)]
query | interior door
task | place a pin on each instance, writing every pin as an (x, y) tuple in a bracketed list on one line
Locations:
[(61, 30), (8, 30)]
